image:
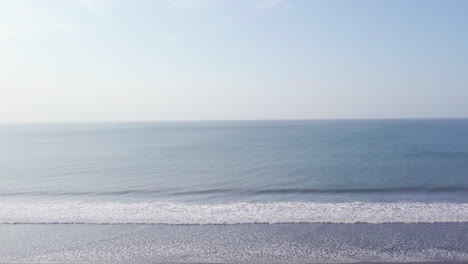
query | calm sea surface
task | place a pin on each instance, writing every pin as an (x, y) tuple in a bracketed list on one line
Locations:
[(236, 176)]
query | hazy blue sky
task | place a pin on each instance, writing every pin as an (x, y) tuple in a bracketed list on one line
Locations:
[(92, 60)]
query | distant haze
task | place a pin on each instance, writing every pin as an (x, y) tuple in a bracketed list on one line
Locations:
[(123, 60)]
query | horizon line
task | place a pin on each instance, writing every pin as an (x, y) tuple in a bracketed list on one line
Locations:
[(233, 120)]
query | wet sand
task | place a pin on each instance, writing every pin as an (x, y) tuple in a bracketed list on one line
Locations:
[(249, 243)]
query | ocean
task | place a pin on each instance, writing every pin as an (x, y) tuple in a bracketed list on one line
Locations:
[(298, 191)]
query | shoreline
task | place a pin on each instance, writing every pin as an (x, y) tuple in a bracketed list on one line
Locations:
[(249, 243)]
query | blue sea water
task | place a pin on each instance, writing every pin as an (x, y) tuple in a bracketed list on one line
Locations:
[(307, 175)]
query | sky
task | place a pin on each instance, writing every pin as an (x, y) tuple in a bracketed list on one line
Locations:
[(129, 60)]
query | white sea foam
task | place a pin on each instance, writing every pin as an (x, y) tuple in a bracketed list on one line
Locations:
[(232, 213)]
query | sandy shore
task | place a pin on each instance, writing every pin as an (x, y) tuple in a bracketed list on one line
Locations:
[(251, 243)]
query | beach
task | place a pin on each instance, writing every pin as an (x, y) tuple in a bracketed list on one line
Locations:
[(250, 243), (332, 191), (233, 132)]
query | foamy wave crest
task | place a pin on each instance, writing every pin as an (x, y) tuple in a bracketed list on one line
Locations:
[(79, 212)]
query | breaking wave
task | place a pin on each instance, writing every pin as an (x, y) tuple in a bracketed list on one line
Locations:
[(177, 192), (80, 212)]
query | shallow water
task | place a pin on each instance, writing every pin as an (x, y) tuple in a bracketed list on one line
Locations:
[(250, 243)]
